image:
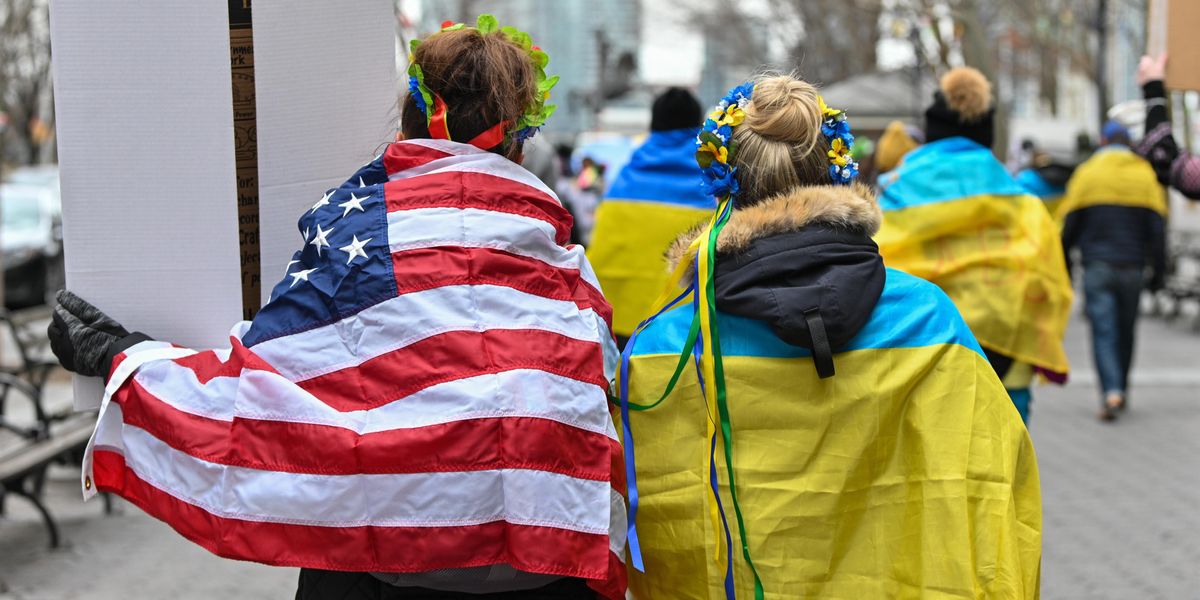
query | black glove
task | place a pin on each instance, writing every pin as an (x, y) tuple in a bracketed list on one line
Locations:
[(84, 339)]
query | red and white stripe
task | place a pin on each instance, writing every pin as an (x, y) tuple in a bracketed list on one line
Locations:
[(463, 422)]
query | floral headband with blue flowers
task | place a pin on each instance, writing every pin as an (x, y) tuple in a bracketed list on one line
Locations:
[(716, 148), (436, 114)]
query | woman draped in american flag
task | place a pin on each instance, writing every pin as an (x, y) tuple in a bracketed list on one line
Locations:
[(421, 410)]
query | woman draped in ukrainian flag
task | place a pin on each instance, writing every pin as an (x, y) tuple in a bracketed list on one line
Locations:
[(842, 434), (655, 197), (954, 216)]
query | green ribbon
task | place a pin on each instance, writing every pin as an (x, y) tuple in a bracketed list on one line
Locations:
[(722, 404)]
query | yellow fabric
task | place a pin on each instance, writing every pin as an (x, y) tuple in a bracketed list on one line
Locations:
[(629, 242), (1113, 176), (1000, 260), (1018, 377), (907, 475), (1052, 206)]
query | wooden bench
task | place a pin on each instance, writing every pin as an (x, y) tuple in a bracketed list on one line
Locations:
[(24, 461), (26, 328)]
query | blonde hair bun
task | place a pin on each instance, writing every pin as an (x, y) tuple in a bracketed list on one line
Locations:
[(784, 109), (967, 93), (780, 145)]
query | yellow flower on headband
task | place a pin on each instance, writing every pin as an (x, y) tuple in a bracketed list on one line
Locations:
[(732, 116), (720, 153), (839, 152), (825, 110)]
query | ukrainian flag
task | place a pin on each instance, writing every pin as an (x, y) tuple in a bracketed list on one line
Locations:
[(1033, 182), (954, 216), (654, 199), (906, 475), (1114, 176)]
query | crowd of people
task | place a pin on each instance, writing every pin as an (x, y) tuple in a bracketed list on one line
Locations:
[(766, 377)]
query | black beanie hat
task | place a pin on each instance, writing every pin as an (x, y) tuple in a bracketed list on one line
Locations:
[(962, 107), (675, 108)]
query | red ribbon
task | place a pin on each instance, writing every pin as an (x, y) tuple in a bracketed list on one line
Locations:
[(438, 127), (492, 137)]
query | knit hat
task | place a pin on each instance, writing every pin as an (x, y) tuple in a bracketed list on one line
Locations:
[(675, 108), (1114, 132), (961, 107), (895, 142)]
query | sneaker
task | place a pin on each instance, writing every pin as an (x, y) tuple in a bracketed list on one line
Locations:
[(1115, 401)]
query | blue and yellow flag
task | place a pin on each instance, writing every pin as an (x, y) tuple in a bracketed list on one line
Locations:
[(654, 199), (1114, 176), (954, 216), (906, 475), (1033, 182)]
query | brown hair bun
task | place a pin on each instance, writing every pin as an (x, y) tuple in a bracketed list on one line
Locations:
[(484, 78)]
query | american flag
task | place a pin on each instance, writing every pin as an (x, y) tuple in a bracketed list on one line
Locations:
[(425, 390)]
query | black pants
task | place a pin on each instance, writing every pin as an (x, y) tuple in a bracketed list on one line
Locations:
[(316, 584)]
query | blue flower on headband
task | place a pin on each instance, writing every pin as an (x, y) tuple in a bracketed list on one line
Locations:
[(414, 88), (718, 180), (526, 132), (843, 175), (715, 147), (831, 128), (740, 95)]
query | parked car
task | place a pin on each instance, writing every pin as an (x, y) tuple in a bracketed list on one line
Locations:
[(31, 236)]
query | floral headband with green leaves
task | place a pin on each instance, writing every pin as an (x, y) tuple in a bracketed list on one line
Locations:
[(527, 126)]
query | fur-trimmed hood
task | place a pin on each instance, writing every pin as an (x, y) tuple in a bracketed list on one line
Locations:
[(850, 208), (804, 262)]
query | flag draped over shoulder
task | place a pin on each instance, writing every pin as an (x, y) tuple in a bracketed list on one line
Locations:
[(426, 389), (1034, 183), (1114, 176), (954, 216), (906, 475), (655, 197)]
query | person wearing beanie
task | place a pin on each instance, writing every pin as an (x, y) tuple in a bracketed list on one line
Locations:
[(1115, 212), (655, 197), (897, 140), (1046, 178), (955, 216)]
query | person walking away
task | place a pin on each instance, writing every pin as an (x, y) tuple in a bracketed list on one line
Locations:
[(1045, 178), (421, 410), (1115, 212), (836, 416), (655, 197), (898, 139), (954, 216)]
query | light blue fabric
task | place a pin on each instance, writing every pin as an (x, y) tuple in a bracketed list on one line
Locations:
[(911, 313), (945, 170), (664, 169), (1035, 184), (1021, 399)]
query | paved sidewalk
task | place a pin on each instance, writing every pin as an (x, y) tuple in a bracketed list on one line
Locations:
[(1122, 500), (1122, 504)]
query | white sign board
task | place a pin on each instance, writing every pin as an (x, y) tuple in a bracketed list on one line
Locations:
[(146, 147)]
